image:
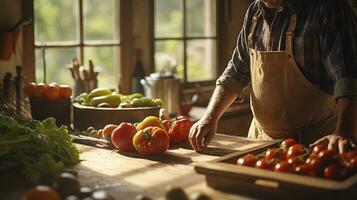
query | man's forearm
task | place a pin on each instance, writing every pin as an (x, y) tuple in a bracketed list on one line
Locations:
[(221, 99), (347, 117)]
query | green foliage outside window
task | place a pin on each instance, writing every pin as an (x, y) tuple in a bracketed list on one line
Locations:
[(58, 21), (170, 34)]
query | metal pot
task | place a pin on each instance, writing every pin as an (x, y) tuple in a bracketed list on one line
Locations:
[(165, 87)]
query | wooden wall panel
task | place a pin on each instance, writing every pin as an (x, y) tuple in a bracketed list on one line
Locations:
[(10, 14), (230, 22)]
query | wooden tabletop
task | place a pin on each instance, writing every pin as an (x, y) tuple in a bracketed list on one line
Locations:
[(127, 175)]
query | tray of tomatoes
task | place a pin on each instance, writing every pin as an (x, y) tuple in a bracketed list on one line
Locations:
[(285, 169)]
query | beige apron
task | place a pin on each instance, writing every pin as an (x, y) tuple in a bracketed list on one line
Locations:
[(284, 103)]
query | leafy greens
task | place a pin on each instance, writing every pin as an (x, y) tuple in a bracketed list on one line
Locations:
[(39, 149)]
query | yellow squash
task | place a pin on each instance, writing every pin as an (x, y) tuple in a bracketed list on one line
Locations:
[(150, 121)]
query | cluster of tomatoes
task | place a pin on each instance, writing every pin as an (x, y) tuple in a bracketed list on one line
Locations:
[(51, 91), (151, 136), (295, 158)]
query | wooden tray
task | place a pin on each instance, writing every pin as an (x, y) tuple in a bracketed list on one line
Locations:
[(224, 174), (84, 117)]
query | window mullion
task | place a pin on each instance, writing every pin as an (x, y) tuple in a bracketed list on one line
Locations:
[(184, 43), (81, 32)]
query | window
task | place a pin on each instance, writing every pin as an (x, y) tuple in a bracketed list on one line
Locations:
[(85, 29), (185, 38)]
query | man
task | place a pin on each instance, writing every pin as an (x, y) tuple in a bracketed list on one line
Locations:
[(299, 59)]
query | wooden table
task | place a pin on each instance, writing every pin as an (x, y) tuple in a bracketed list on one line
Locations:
[(127, 175)]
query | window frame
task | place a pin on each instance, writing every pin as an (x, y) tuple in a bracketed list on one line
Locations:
[(185, 38), (125, 38), (81, 44)]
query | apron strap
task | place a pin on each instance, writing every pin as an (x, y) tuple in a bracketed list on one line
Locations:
[(253, 29), (290, 35)]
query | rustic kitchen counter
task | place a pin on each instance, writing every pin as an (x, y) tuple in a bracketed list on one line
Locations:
[(131, 174), (127, 175)]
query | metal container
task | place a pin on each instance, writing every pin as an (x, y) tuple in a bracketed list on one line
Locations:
[(165, 87), (80, 86)]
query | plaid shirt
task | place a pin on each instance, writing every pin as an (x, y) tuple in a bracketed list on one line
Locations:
[(325, 44)]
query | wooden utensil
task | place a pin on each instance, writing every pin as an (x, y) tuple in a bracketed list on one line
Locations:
[(76, 68), (70, 67), (86, 75), (91, 70)]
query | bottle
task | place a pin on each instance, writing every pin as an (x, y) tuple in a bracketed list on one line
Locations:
[(8, 89), (19, 85), (138, 74)]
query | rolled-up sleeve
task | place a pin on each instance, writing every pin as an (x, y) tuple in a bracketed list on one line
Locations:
[(338, 40), (236, 76)]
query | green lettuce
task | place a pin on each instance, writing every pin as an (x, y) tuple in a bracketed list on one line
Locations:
[(38, 148)]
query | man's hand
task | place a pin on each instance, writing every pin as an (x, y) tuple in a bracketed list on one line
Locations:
[(335, 142), (201, 133), (346, 127)]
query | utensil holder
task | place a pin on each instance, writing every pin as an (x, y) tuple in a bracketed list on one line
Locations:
[(81, 86), (78, 87), (90, 85)]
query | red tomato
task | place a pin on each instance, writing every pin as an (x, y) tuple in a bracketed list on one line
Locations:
[(296, 161), (308, 160), (335, 171), (351, 154), (247, 160), (65, 91), (317, 164), (265, 164), (179, 129), (347, 156), (108, 130), (305, 169), (274, 153), (40, 90), (295, 150), (353, 162), (54, 83), (52, 92), (122, 137), (328, 156), (284, 166), (318, 148), (352, 165), (30, 88), (287, 143), (41, 192), (314, 160), (151, 140)]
